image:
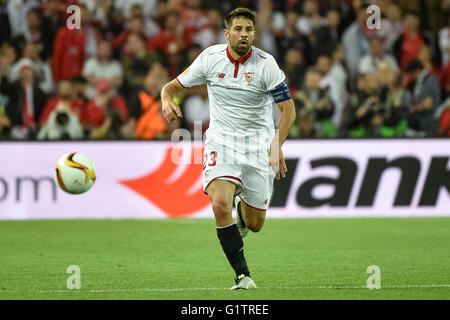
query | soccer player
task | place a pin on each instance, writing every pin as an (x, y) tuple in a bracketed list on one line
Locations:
[(242, 153)]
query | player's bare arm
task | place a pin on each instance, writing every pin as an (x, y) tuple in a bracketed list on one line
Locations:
[(170, 109), (287, 119)]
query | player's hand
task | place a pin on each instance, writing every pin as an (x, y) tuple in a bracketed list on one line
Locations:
[(170, 110), (277, 162)]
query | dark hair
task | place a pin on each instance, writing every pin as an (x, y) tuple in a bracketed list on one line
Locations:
[(36, 11), (413, 66), (78, 80), (239, 12), (412, 12), (65, 80), (137, 17)]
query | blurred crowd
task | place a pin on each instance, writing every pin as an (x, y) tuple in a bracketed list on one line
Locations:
[(350, 73)]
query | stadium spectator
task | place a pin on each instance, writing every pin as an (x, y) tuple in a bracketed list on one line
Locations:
[(79, 87), (325, 38), (294, 68), (268, 23), (354, 42), (393, 25), (17, 12), (338, 68), (212, 32), (145, 107), (425, 100), (363, 104), (310, 18), (317, 103), (344, 9), (160, 13), (66, 97), (290, 38), (395, 101), (102, 67), (408, 44), (107, 113), (5, 27), (174, 32), (444, 42), (26, 102), (151, 27), (193, 15), (446, 10), (35, 32), (369, 63), (332, 81), (8, 56), (149, 7), (425, 58), (51, 23), (429, 12), (101, 13), (135, 26), (62, 6), (172, 40), (137, 63), (305, 125), (109, 21), (62, 124), (72, 47), (42, 70)]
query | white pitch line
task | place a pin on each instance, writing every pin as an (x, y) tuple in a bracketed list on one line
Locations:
[(226, 289), (365, 287)]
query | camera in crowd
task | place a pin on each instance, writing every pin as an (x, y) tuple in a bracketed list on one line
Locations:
[(62, 118), (61, 125)]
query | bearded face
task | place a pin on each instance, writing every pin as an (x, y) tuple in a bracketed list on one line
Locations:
[(241, 35)]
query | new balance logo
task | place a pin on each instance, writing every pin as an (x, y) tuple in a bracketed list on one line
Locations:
[(175, 198)]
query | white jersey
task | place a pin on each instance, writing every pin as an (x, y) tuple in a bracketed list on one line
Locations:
[(238, 91)]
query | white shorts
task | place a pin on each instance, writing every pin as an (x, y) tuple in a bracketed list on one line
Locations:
[(251, 173)]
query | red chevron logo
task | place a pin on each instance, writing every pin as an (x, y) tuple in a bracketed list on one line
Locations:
[(172, 197)]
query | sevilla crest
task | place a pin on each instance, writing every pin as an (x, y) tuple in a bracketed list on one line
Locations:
[(249, 76)]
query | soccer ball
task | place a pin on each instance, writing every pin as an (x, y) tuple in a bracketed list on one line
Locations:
[(75, 173)]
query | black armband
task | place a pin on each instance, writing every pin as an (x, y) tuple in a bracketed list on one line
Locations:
[(281, 93)]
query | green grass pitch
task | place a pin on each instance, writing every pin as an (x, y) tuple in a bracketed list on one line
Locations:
[(182, 259)]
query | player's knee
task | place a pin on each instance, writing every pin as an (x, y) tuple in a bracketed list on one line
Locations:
[(222, 209), (255, 227)]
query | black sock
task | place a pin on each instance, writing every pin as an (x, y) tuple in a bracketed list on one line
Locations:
[(233, 247), (239, 212)]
